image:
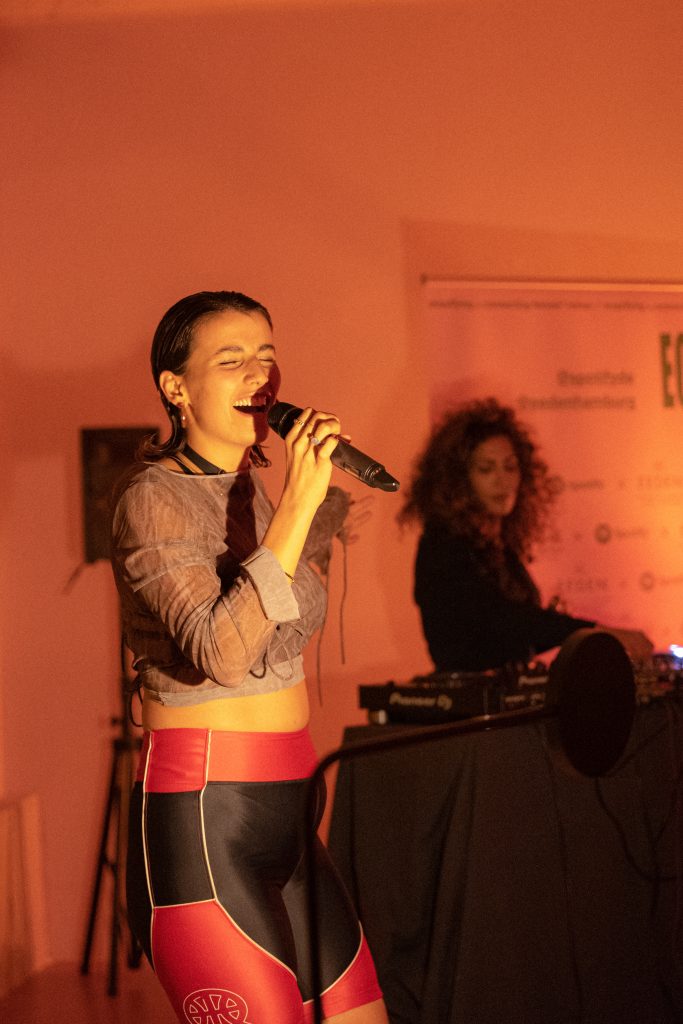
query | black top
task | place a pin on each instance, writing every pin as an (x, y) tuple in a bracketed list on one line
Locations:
[(469, 623)]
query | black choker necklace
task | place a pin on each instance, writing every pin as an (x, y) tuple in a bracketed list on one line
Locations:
[(202, 464)]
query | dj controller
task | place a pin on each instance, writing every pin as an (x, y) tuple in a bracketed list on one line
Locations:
[(449, 696)]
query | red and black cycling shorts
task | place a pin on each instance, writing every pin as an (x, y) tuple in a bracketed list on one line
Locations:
[(216, 887)]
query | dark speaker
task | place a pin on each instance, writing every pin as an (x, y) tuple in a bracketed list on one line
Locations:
[(105, 455)]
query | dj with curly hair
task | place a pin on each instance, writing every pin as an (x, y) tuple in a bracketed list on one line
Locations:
[(481, 494)]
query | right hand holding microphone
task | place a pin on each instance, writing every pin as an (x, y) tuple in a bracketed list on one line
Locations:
[(309, 444)]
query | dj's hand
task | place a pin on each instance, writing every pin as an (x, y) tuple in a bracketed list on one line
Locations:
[(637, 645)]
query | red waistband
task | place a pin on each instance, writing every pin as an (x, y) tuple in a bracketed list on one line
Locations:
[(180, 760)]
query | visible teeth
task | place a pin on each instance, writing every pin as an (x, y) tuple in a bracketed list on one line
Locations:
[(249, 402)]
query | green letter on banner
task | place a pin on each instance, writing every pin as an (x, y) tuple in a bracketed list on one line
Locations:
[(665, 342)]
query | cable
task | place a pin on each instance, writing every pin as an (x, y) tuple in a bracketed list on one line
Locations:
[(345, 586), (564, 858)]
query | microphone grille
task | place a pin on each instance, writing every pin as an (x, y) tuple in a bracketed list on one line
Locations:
[(281, 416)]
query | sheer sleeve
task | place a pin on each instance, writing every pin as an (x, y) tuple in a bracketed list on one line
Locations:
[(168, 570)]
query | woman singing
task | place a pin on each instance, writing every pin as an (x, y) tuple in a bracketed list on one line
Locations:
[(218, 600), (481, 494)]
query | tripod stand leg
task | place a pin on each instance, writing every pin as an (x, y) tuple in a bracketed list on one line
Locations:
[(102, 862), (112, 987), (134, 955), (127, 749), (115, 828)]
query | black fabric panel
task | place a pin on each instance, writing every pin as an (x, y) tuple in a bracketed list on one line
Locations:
[(338, 928), (255, 843), (175, 847), (254, 837), (493, 888)]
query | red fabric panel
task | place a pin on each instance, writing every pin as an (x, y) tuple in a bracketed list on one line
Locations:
[(261, 756), (212, 972), (176, 758), (356, 987)]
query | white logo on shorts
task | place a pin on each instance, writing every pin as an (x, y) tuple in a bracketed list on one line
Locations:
[(215, 1006)]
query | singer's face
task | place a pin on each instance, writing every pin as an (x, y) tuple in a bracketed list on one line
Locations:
[(230, 381), (495, 476)]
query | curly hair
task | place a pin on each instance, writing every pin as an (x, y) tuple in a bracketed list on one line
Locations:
[(440, 488)]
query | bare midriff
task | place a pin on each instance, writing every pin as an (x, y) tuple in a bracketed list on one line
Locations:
[(281, 711)]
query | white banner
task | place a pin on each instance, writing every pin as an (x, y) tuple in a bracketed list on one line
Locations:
[(596, 372)]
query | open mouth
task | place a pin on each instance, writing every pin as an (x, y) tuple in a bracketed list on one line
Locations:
[(259, 403)]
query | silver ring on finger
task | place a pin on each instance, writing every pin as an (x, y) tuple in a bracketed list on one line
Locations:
[(313, 439)]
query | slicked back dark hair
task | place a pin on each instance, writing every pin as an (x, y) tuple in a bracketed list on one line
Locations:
[(171, 348)]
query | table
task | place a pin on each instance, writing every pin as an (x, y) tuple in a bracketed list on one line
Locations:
[(495, 888)]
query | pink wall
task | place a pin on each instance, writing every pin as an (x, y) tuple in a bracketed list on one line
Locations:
[(321, 160)]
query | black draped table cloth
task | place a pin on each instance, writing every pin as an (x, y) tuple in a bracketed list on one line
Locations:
[(496, 889)]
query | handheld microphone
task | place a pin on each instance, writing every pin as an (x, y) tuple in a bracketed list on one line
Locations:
[(281, 417)]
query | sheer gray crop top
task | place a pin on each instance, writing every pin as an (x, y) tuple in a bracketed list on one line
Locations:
[(206, 610)]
